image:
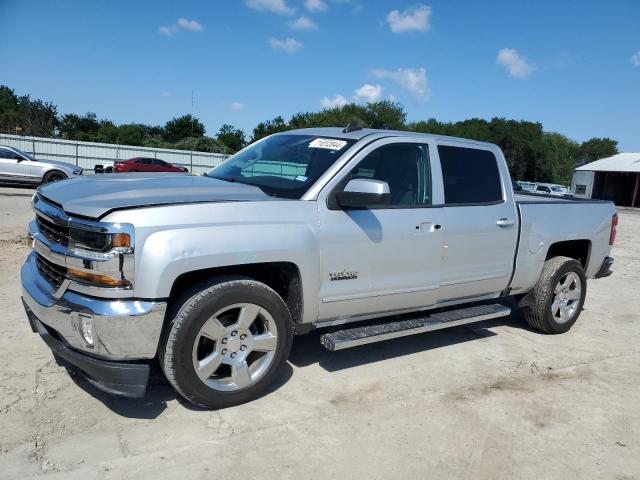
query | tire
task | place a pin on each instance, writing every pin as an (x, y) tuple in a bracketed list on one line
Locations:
[(249, 359), (559, 280), (54, 176)]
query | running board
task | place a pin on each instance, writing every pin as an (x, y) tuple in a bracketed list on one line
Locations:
[(377, 333)]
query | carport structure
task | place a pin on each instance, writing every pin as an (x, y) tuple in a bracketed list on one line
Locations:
[(615, 178)]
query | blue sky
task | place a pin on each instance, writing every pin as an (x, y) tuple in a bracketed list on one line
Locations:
[(572, 65)]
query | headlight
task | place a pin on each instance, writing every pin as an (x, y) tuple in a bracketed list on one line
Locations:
[(98, 241), (78, 172)]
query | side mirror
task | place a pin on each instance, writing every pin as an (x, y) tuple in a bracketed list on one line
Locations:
[(19, 158), (363, 193)]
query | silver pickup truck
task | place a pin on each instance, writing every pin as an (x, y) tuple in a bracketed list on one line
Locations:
[(368, 234)]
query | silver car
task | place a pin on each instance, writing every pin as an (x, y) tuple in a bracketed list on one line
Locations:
[(17, 166)]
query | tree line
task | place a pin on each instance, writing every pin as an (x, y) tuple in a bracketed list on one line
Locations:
[(531, 152)]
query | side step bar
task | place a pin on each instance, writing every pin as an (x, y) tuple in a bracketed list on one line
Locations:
[(377, 333)]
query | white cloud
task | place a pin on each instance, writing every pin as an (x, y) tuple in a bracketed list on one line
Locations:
[(516, 64), (412, 19), (368, 93), (303, 23), (167, 94), (168, 30), (182, 23), (413, 80), (315, 5), (189, 24), (237, 106), (289, 45), (337, 101), (275, 6), (635, 59)]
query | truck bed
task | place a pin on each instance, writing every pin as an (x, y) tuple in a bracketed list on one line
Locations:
[(528, 198), (546, 220)]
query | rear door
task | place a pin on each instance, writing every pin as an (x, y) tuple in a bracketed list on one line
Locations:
[(480, 221)]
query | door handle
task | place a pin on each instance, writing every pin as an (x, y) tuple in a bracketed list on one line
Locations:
[(505, 222), (428, 227)]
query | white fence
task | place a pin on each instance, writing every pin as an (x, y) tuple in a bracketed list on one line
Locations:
[(89, 154)]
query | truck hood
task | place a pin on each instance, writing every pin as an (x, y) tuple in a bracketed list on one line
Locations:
[(94, 196)]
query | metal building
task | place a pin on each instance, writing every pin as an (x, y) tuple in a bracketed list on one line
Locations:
[(614, 178)]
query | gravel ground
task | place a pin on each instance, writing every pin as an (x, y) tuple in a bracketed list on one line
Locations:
[(487, 401)]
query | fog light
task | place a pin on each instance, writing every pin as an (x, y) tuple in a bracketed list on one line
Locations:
[(86, 329)]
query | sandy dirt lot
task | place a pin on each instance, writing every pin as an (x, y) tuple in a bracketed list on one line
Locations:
[(494, 400)]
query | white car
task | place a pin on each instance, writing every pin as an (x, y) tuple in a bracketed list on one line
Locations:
[(552, 189), (19, 167)]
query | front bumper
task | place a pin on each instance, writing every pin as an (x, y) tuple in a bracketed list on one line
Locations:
[(122, 329), (117, 378)]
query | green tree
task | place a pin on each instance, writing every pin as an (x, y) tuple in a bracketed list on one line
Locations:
[(561, 155), (231, 137), (269, 127), (75, 127), (37, 117), (185, 126), (199, 144), (8, 110), (597, 148)]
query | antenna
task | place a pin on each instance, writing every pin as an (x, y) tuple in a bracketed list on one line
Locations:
[(352, 127)]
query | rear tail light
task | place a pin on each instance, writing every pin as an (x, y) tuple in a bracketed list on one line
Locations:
[(614, 229)]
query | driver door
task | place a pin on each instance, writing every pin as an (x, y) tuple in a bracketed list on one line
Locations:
[(14, 167), (384, 258)]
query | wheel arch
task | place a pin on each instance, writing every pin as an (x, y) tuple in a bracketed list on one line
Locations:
[(283, 277), (579, 250)]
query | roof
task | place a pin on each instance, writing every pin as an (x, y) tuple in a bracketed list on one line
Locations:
[(336, 132), (622, 162)]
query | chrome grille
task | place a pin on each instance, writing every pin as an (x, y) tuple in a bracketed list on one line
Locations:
[(54, 274), (55, 232)]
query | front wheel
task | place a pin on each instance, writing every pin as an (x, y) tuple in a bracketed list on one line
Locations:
[(54, 176), (558, 296), (227, 342)]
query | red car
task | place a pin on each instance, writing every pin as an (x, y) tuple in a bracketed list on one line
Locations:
[(142, 164)]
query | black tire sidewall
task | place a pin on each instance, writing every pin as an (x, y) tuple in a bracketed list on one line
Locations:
[(184, 337), (59, 175), (568, 267)]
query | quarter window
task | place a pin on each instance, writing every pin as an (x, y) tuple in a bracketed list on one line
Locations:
[(470, 175), (405, 167)]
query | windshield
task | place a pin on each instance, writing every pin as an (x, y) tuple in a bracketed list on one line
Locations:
[(283, 165), (25, 155)]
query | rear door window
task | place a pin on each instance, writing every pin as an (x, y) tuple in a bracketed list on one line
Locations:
[(470, 176)]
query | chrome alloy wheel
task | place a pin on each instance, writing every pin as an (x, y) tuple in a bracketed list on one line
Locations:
[(235, 347), (566, 297)]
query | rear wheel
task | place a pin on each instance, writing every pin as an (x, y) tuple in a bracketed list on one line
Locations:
[(558, 296), (54, 176), (227, 342)]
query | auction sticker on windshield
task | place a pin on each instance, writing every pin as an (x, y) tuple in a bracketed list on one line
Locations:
[(328, 143)]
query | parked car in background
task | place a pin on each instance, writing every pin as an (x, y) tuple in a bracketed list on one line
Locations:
[(17, 166), (143, 164), (104, 167), (552, 189), (526, 186)]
